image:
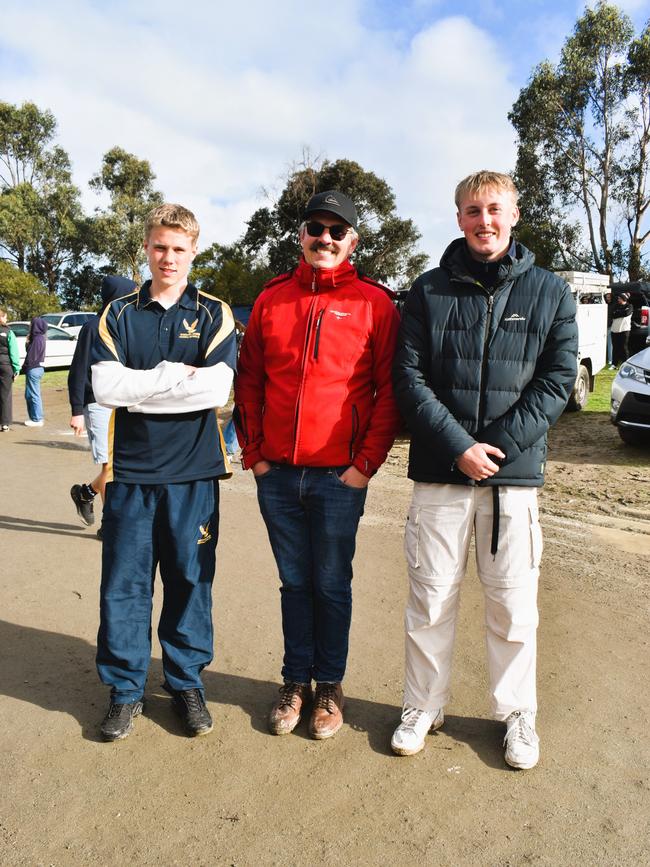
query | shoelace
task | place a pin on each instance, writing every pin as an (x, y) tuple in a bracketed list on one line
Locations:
[(289, 693), (520, 731), (193, 700), (325, 694), (411, 716)]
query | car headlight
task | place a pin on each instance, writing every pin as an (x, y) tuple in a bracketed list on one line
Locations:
[(629, 371)]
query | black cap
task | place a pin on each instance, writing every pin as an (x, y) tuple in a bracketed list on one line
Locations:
[(335, 203)]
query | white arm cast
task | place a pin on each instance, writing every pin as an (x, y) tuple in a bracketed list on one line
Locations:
[(115, 385), (206, 388)]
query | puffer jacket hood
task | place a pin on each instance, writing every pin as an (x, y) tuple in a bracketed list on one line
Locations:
[(516, 262)]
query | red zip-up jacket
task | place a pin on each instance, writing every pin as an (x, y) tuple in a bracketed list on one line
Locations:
[(313, 386)]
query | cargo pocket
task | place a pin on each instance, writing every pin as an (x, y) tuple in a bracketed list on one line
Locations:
[(431, 543)]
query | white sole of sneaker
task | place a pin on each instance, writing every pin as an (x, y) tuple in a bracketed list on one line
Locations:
[(519, 766), (404, 751)]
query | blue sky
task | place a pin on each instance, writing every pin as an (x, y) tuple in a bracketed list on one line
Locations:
[(223, 98)]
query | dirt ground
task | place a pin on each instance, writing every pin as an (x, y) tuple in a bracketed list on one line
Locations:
[(242, 797)]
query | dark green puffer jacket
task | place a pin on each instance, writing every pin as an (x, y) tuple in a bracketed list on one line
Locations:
[(472, 366)]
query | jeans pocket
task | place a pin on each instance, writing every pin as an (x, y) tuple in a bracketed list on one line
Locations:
[(347, 487)]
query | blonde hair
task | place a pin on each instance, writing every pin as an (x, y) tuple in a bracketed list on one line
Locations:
[(475, 183), (173, 217)]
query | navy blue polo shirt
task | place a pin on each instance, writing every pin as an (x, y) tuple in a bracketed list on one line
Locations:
[(138, 332)]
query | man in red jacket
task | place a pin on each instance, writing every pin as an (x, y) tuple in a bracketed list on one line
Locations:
[(316, 416)]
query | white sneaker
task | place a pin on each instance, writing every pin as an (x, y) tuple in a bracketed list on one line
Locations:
[(521, 741), (408, 737), (30, 423)]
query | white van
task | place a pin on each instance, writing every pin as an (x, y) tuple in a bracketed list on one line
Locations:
[(589, 291)]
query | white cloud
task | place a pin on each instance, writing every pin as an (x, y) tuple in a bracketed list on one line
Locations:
[(221, 98)]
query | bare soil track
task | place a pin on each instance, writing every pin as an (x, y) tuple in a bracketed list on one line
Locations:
[(242, 797)]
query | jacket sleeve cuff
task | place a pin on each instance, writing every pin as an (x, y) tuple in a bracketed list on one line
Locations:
[(250, 458)]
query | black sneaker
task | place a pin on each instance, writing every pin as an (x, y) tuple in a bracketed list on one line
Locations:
[(84, 505), (189, 704), (118, 722), (100, 533)]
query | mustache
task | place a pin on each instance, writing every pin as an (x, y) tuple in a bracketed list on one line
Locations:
[(316, 246)]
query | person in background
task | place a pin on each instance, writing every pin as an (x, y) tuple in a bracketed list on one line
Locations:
[(87, 414), (229, 430), (33, 369), (621, 327), (9, 367), (610, 310)]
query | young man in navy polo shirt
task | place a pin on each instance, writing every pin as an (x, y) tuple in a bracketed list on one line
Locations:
[(164, 360)]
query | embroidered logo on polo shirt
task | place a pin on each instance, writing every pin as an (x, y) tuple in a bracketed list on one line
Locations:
[(515, 317), (190, 330), (205, 535)]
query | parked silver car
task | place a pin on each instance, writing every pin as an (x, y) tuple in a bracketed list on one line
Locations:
[(630, 407)]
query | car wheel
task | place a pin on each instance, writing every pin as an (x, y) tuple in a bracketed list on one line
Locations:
[(580, 393), (633, 437)]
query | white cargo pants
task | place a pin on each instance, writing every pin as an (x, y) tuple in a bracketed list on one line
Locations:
[(436, 543)]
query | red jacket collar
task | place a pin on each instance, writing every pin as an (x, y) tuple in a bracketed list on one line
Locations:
[(324, 279)]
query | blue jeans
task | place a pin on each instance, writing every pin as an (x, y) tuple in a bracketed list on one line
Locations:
[(312, 520), (33, 393), (174, 527), (230, 438)]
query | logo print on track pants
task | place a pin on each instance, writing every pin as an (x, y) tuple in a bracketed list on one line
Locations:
[(205, 534)]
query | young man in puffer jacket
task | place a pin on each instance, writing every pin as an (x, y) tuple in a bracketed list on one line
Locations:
[(485, 363), (316, 417)]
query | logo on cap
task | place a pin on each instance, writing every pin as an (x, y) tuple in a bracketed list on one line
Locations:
[(332, 201)]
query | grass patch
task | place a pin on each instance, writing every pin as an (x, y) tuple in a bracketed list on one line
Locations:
[(599, 399), (51, 379)]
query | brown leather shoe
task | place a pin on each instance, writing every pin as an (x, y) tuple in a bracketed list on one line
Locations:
[(327, 715), (285, 713)]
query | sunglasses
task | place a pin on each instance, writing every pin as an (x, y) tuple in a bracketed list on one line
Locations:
[(316, 229)]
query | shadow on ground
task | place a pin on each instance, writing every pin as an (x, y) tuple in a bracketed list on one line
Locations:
[(28, 525), (57, 673)]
